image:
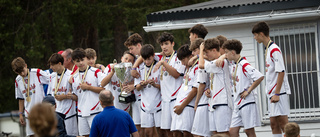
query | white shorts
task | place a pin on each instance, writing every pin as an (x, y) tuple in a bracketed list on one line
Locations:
[(184, 121), (247, 117), (280, 108), (201, 122), (28, 128), (85, 124), (221, 119), (212, 126), (149, 120), (166, 114), (136, 111), (71, 125)]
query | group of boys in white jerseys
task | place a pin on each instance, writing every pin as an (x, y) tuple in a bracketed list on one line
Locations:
[(201, 89)]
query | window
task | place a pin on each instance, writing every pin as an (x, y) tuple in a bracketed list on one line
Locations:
[(300, 52)]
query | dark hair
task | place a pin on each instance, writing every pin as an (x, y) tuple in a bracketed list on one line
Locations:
[(212, 43), (106, 99), (195, 44), (127, 52), (184, 52), (18, 64), (147, 51), (233, 44), (55, 58), (78, 54), (165, 36), (200, 30), (261, 27), (134, 39), (221, 39), (90, 53)]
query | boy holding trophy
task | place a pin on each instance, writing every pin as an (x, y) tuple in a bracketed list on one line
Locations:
[(116, 84)]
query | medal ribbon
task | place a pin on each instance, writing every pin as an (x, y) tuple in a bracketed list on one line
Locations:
[(188, 71), (265, 54), (58, 82), (146, 75), (161, 74), (24, 83), (85, 74), (235, 74), (211, 82)]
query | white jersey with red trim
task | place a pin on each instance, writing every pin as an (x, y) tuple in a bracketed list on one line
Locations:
[(245, 76), (203, 78), (275, 64), (115, 89), (170, 85), (66, 106), (221, 89), (192, 82), (38, 77), (150, 95), (88, 101)]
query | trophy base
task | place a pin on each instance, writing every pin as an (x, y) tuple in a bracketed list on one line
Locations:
[(127, 99)]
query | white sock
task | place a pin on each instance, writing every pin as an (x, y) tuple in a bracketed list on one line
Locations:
[(276, 135)]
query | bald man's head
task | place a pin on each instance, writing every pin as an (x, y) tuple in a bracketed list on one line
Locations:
[(106, 98)]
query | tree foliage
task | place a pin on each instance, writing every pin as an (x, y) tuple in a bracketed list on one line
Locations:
[(34, 29)]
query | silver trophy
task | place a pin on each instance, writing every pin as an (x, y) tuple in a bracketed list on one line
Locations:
[(123, 73)]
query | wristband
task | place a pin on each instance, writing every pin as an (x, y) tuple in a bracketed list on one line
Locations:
[(277, 94), (198, 56), (134, 68), (20, 113)]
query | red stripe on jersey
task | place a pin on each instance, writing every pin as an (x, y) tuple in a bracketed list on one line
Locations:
[(239, 101), (143, 104), (79, 110), (176, 91), (274, 50), (109, 68), (27, 111), (69, 109), (96, 73), (244, 58), (38, 75), (127, 108), (243, 68), (159, 104), (160, 57), (95, 106), (272, 88), (16, 83), (183, 99), (195, 70), (222, 64), (217, 93), (75, 69)]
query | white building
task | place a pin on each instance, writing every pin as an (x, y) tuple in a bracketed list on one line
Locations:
[(294, 27)]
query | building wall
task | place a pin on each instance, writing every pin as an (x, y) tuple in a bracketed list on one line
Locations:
[(240, 32)]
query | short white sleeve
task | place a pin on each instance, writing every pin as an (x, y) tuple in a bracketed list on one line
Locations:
[(211, 67), (202, 76), (251, 72), (278, 61)]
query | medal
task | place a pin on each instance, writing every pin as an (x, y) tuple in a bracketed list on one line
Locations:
[(27, 88), (28, 99), (119, 90), (185, 88), (235, 74), (165, 73), (211, 81), (149, 86), (161, 73)]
